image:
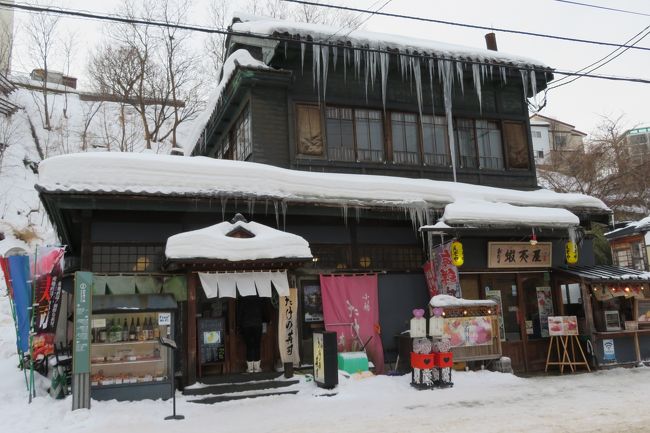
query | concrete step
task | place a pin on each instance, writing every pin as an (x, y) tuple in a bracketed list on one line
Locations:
[(229, 388), (240, 377), (222, 398)]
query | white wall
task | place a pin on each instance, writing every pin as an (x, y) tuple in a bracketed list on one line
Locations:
[(6, 35), (541, 141)]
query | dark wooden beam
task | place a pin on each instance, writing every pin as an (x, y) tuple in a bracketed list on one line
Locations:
[(191, 328)]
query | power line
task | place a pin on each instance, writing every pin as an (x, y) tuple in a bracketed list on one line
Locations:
[(287, 39), (602, 7), (559, 82), (471, 26), (372, 14)]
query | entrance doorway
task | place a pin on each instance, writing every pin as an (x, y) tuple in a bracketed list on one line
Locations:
[(526, 302), (221, 348)]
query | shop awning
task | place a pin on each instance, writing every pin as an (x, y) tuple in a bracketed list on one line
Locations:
[(606, 274), (227, 284), (133, 303), (608, 282)]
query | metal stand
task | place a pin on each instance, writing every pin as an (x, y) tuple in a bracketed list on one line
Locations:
[(171, 344)]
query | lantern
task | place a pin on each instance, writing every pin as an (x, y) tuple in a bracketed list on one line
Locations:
[(457, 257), (571, 251)]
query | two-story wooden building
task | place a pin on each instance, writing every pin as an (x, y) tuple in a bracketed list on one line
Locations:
[(352, 141)]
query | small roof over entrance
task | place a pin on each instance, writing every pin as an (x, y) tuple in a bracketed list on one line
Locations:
[(228, 248), (235, 241)]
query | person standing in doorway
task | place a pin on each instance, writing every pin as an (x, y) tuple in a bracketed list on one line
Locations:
[(250, 313)]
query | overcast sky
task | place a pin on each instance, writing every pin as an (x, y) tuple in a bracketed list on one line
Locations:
[(581, 103)]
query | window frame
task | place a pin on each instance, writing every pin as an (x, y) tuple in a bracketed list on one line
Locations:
[(234, 148), (355, 132)]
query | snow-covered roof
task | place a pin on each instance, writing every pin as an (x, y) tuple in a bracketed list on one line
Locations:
[(150, 174), (483, 213), (643, 225), (258, 25), (214, 243), (239, 58), (440, 301)]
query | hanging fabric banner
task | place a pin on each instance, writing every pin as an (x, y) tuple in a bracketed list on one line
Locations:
[(430, 276), (446, 273), (288, 328), (22, 296), (351, 309), (48, 271)]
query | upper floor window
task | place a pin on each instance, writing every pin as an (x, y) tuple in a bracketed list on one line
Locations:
[(623, 258), (434, 141), (405, 138), (355, 134), (370, 135), (340, 134), (490, 148), (637, 139), (537, 134), (560, 140), (479, 144), (241, 138), (466, 142)]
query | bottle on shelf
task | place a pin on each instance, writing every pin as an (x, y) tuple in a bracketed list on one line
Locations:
[(139, 331), (145, 329), (102, 334), (132, 334), (125, 331), (150, 329), (156, 331)]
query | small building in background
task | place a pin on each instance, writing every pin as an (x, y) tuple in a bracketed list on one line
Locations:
[(54, 77), (630, 245), (554, 140), (637, 142)]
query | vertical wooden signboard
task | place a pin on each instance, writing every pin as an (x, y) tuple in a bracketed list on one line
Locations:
[(83, 293)]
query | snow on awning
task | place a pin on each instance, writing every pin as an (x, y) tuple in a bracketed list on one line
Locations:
[(149, 174), (226, 285), (477, 213), (214, 242), (441, 301)]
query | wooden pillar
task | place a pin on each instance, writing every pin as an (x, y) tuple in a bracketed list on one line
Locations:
[(521, 314), (191, 328), (86, 245)]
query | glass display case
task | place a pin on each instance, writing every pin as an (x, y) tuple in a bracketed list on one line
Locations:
[(127, 360)]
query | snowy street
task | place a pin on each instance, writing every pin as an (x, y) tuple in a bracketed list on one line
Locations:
[(606, 401)]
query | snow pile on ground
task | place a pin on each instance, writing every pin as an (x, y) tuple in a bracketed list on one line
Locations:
[(607, 401)]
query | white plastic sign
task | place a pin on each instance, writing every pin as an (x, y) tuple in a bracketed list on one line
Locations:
[(164, 318)]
